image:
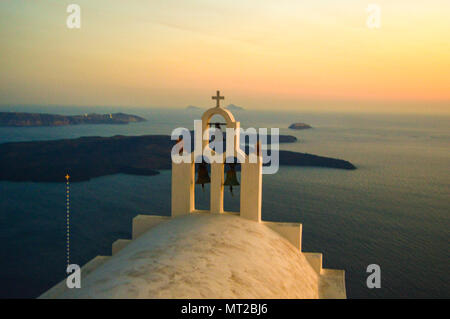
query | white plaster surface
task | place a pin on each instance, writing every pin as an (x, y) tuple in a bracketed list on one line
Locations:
[(203, 256)]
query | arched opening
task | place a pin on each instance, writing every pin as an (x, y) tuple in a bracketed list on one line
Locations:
[(232, 185), (211, 113), (217, 125), (202, 187)]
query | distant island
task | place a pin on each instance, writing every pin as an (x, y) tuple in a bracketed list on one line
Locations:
[(230, 107), (299, 126), (233, 107), (42, 119), (193, 108), (89, 157)]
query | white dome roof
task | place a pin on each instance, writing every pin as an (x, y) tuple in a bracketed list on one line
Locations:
[(203, 256)]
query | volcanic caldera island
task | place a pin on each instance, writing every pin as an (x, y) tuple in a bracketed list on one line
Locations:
[(89, 157)]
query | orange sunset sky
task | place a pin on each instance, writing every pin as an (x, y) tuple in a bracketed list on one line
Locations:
[(280, 54)]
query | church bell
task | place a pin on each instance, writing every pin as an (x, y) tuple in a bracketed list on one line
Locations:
[(231, 178), (203, 175)]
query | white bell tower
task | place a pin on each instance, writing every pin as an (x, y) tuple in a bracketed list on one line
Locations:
[(183, 174)]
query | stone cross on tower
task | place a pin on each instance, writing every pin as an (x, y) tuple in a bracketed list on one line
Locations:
[(218, 98)]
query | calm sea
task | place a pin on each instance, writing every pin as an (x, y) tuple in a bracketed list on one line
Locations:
[(392, 211)]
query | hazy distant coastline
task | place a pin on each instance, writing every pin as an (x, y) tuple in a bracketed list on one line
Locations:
[(231, 107), (17, 119)]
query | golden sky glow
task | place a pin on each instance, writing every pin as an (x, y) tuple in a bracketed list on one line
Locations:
[(260, 54)]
